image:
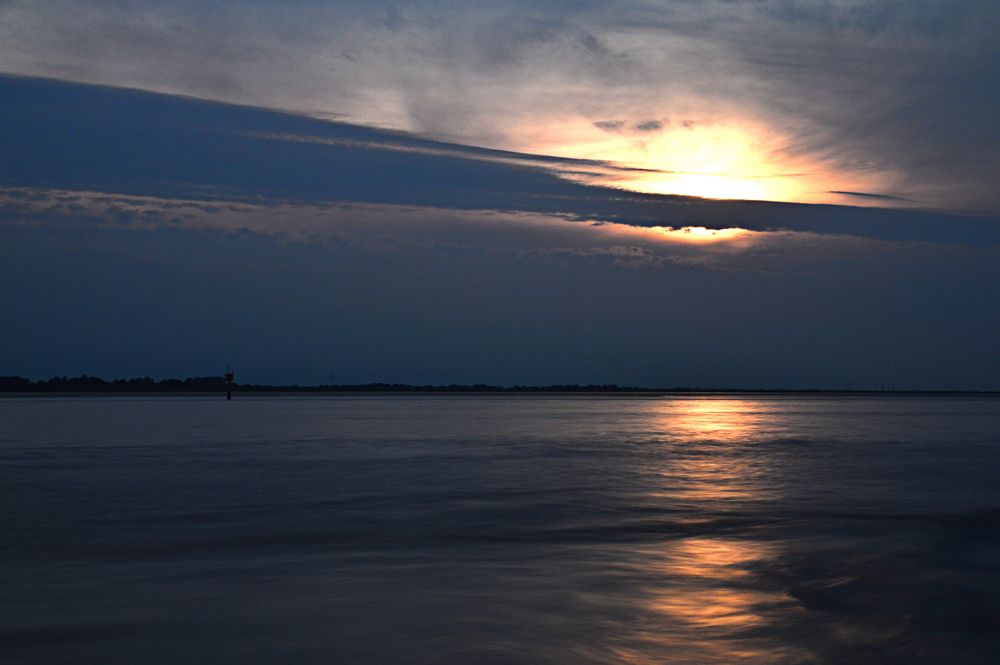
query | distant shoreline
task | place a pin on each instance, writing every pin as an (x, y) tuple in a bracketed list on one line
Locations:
[(86, 385)]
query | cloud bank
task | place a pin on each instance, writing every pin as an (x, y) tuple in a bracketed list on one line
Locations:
[(60, 135), (143, 234), (117, 285)]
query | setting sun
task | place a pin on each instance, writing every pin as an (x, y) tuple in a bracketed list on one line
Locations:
[(716, 159), (709, 161), (713, 161)]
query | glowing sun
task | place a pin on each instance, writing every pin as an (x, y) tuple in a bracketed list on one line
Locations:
[(733, 159), (710, 161)]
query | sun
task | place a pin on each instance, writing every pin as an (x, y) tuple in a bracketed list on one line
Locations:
[(705, 185), (723, 158), (726, 156), (710, 161)]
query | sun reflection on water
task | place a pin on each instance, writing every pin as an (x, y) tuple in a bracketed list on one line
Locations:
[(705, 574), (703, 605), (710, 459), (723, 420), (703, 600)]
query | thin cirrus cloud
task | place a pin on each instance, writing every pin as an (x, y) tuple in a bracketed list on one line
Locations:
[(892, 97)]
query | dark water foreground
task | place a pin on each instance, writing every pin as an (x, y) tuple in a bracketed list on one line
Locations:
[(481, 530)]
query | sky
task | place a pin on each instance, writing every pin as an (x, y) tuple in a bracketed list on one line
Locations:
[(766, 194)]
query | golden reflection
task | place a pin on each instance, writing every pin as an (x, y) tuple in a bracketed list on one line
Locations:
[(711, 608), (706, 607), (724, 419), (720, 468), (722, 240), (704, 602), (700, 234), (714, 558), (703, 570)]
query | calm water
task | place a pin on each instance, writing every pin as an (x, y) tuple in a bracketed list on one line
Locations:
[(499, 530)]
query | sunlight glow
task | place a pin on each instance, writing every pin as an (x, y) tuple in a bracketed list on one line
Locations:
[(713, 159), (711, 162), (704, 592), (727, 425), (723, 420), (700, 234)]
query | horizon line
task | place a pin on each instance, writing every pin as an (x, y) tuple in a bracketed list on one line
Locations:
[(207, 384)]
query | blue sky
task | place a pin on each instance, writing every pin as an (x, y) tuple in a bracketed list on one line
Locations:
[(428, 192)]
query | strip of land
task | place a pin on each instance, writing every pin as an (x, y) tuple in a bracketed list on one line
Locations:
[(211, 384)]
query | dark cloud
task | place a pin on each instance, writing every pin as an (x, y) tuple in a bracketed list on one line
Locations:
[(610, 125), (870, 195), (649, 126), (68, 136), (596, 46)]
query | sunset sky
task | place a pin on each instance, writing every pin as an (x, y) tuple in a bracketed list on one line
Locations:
[(756, 194)]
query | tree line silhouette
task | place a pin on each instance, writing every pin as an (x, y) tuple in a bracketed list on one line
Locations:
[(94, 384), (87, 383)]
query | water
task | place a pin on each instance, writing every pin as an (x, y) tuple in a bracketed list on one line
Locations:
[(452, 529)]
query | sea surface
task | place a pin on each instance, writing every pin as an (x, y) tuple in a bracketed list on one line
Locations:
[(499, 529)]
